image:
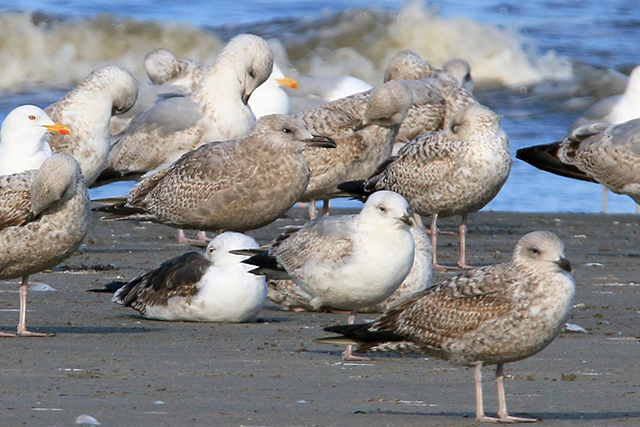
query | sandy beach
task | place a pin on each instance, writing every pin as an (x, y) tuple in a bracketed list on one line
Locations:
[(123, 370)]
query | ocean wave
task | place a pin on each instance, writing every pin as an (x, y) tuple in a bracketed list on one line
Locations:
[(42, 51)]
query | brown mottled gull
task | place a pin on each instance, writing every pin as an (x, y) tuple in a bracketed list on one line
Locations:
[(214, 286), (346, 261), (23, 139), (406, 65), (290, 296), (87, 110), (236, 185), (215, 111), (364, 127), (455, 171), (44, 215), (487, 316), (603, 153)]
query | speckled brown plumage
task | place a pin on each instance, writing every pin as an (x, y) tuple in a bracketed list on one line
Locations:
[(235, 185), (455, 171), (490, 315), (46, 222), (607, 154), (364, 127)]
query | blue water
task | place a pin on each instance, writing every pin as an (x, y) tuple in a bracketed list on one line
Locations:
[(601, 34)]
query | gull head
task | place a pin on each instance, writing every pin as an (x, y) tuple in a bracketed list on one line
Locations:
[(407, 65), (252, 59), (543, 251), (28, 124), (287, 133), (388, 105), (474, 119), (218, 249), (388, 207)]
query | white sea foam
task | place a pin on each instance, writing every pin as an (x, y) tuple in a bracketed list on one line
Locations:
[(39, 51)]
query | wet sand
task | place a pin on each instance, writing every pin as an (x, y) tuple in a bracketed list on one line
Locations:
[(123, 370)]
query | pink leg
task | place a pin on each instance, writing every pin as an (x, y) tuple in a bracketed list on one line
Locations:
[(22, 324), (184, 240), (463, 243), (348, 353), (434, 242), (325, 207), (313, 212), (503, 415)]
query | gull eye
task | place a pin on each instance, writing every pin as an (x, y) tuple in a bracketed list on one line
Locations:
[(382, 208), (286, 130), (32, 117), (252, 74), (535, 251), (210, 250)]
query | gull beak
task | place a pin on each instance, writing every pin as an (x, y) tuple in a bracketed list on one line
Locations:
[(288, 82), (407, 219), (564, 264), (320, 141), (58, 128)]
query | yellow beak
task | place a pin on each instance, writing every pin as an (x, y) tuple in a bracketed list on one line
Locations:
[(58, 128), (289, 82)]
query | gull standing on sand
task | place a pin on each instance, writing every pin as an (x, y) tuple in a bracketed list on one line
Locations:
[(487, 316), (607, 154), (213, 286), (44, 215), (23, 139), (346, 262), (290, 296), (455, 171), (235, 185), (215, 111), (364, 127), (87, 110)]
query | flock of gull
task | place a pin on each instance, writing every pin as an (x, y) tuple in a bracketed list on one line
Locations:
[(215, 148)]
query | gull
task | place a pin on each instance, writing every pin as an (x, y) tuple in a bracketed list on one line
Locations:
[(290, 296), (163, 67), (87, 110), (23, 139), (487, 316), (213, 286), (235, 185), (364, 127), (603, 153), (346, 262), (270, 97), (44, 215), (215, 111), (455, 171)]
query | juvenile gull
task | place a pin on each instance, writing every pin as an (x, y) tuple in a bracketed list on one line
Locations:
[(603, 153), (23, 139), (215, 111), (44, 215), (236, 185), (363, 126), (290, 296), (87, 110), (487, 316), (163, 67), (407, 65), (213, 286), (455, 171), (346, 262)]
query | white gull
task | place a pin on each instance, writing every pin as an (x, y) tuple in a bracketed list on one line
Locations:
[(213, 286)]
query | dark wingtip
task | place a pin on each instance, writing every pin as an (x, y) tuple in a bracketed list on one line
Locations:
[(545, 157)]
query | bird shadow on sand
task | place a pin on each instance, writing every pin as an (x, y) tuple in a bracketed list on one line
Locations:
[(59, 330), (540, 415)]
